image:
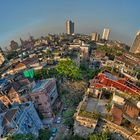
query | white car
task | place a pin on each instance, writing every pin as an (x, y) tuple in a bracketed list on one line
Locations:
[(58, 121)]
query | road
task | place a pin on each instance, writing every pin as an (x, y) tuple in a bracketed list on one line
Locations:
[(62, 130)]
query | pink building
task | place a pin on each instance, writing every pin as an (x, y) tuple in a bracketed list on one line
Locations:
[(44, 94)]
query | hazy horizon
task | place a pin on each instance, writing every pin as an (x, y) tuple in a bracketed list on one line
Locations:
[(18, 18)]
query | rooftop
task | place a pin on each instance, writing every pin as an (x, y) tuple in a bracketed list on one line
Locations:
[(40, 85), (9, 116), (110, 76), (95, 105), (3, 81)]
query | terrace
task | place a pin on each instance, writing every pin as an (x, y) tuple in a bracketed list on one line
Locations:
[(93, 107), (40, 85), (107, 79)]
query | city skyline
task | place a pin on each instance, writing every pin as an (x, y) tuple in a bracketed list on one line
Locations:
[(49, 17)]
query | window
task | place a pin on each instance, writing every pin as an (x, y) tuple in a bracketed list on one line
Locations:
[(15, 119), (37, 97), (52, 98)]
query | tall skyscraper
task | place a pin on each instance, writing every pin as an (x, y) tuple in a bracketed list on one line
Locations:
[(135, 48), (94, 36), (69, 27), (106, 32)]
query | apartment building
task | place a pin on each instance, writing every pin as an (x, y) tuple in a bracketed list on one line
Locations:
[(44, 94)]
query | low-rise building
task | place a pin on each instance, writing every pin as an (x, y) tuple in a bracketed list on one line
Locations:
[(106, 79), (111, 102), (20, 119), (16, 92)]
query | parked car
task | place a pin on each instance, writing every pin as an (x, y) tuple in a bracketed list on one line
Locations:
[(54, 130), (58, 121), (65, 108)]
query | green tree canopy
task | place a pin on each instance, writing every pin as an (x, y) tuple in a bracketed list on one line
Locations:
[(138, 73), (106, 135), (67, 68), (44, 134), (93, 72), (22, 137), (68, 117)]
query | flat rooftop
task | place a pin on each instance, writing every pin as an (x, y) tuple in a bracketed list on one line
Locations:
[(110, 76), (40, 85), (95, 105)]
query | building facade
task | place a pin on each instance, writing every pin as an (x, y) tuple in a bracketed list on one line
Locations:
[(69, 27), (106, 32), (20, 119), (94, 36), (135, 48), (44, 94)]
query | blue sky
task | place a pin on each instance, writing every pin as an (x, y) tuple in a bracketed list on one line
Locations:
[(19, 18)]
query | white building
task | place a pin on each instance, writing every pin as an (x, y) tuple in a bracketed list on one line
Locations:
[(106, 32), (135, 48), (94, 36)]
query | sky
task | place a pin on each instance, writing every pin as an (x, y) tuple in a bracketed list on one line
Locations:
[(21, 18)]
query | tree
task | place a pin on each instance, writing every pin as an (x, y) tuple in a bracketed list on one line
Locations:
[(52, 72), (68, 113), (84, 66), (138, 83), (110, 56), (68, 69), (108, 68), (68, 116), (137, 71), (44, 134), (41, 74), (93, 72), (9, 137), (106, 135), (22, 137)]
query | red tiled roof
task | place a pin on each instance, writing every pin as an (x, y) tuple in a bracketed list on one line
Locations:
[(20, 65), (103, 81), (117, 115), (131, 110)]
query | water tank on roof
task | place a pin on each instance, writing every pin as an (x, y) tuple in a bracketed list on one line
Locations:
[(138, 104)]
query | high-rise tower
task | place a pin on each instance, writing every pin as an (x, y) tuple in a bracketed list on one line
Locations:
[(69, 27), (135, 48), (106, 32)]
